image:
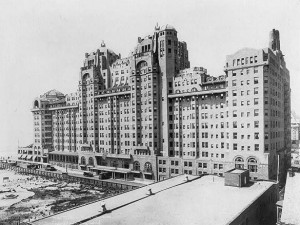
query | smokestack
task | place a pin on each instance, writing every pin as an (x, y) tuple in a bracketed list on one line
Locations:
[(274, 40)]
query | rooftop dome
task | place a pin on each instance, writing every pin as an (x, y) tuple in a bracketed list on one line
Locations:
[(167, 27), (53, 93)]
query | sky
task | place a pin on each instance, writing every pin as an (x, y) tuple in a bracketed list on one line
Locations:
[(42, 43)]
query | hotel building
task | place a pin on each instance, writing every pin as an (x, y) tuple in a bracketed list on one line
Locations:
[(151, 116)]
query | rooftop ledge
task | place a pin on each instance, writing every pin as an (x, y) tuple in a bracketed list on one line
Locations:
[(64, 107), (113, 94), (215, 91)]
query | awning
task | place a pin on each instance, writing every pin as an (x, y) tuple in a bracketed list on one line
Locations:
[(82, 165), (135, 171), (115, 156), (30, 157), (21, 157), (149, 173), (25, 157), (64, 153)]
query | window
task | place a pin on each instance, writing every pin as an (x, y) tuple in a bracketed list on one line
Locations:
[(256, 112), (252, 165), (266, 147), (235, 135), (234, 114), (234, 83), (256, 147), (234, 93), (255, 80), (255, 68), (256, 135), (266, 135), (234, 146), (239, 163), (256, 101), (256, 90), (136, 166), (256, 124)]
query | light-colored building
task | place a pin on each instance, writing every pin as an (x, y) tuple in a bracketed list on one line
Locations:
[(295, 130), (151, 116)]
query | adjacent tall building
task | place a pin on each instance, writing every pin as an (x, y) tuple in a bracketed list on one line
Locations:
[(151, 116)]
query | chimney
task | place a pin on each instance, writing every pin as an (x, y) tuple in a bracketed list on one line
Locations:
[(274, 40)]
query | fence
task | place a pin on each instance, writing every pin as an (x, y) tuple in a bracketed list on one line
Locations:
[(70, 178)]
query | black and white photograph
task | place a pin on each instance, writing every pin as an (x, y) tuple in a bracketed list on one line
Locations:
[(150, 112)]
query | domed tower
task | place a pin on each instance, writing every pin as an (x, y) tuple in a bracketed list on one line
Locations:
[(42, 119)]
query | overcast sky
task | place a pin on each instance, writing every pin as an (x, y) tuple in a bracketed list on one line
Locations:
[(42, 43)]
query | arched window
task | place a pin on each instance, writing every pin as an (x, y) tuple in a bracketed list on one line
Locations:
[(148, 167), (36, 104), (239, 163), (140, 65), (82, 160), (194, 89), (252, 165), (136, 166), (85, 77), (91, 161)]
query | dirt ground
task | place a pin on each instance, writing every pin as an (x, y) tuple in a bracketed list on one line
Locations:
[(50, 198)]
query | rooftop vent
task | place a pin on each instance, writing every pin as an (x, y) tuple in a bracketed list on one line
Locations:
[(237, 177)]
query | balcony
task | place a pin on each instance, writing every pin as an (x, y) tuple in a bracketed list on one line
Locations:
[(148, 171)]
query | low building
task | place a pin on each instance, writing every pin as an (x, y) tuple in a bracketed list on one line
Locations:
[(288, 211), (201, 201)]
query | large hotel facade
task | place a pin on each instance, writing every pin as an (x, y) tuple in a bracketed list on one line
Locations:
[(151, 116)]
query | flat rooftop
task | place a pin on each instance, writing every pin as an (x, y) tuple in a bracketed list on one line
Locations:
[(237, 171), (201, 201), (291, 203)]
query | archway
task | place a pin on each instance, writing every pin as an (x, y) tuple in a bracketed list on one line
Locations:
[(91, 161), (148, 167), (136, 166), (82, 160)]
